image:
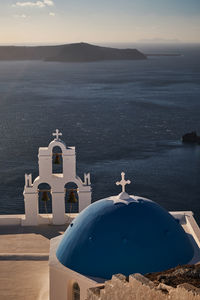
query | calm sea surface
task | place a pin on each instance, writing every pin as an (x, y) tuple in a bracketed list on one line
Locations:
[(121, 116)]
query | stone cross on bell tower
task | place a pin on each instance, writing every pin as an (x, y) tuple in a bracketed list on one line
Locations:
[(57, 134), (123, 182)]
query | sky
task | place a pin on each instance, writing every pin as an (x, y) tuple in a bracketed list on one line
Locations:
[(99, 21)]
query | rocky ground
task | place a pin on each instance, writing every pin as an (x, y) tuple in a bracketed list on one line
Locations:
[(181, 274)]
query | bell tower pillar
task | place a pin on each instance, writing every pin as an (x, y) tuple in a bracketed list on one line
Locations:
[(30, 203), (58, 208)]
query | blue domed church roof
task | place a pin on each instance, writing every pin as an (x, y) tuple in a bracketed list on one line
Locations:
[(123, 234)]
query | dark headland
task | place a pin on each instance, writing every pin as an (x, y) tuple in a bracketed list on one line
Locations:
[(79, 52)]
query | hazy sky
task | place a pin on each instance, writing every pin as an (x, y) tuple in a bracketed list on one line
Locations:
[(63, 21)]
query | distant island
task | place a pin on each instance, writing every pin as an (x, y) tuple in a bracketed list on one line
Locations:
[(78, 52), (164, 54)]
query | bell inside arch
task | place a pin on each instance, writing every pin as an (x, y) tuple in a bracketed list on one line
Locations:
[(72, 197), (45, 196), (57, 159)]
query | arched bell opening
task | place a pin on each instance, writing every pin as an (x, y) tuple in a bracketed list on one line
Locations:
[(76, 291), (71, 198), (57, 160), (44, 198)]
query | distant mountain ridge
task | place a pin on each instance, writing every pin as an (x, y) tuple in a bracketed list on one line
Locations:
[(78, 52)]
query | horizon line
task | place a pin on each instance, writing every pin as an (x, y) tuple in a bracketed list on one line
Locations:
[(66, 43)]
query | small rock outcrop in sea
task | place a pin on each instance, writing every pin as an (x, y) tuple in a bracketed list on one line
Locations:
[(191, 137)]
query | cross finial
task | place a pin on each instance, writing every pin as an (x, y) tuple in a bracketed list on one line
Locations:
[(57, 134), (123, 182)]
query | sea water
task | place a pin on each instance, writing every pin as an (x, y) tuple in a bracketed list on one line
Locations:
[(121, 116)]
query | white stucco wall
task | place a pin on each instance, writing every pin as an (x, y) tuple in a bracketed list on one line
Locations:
[(62, 278)]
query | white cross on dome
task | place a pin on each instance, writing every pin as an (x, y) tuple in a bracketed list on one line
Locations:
[(123, 182)]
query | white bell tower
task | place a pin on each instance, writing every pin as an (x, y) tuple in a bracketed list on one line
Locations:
[(57, 183)]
